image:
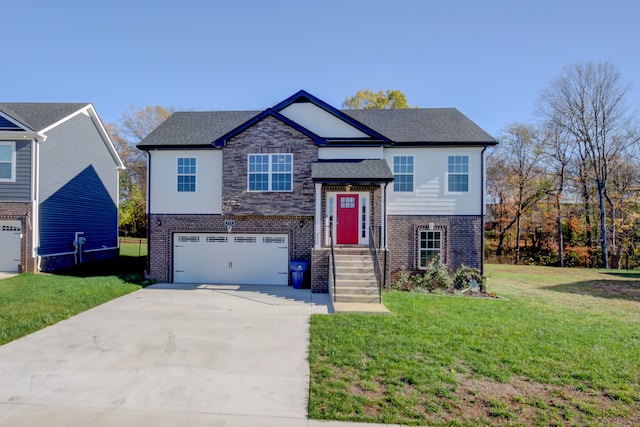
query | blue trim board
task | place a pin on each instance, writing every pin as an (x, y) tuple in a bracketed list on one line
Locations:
[(269, 112)]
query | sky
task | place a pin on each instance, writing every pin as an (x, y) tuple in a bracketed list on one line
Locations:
[(489, 59)]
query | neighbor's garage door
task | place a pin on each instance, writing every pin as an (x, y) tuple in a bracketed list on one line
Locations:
[(231, 258), (9, 246)]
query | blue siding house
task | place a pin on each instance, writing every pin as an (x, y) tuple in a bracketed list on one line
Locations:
[(58, 187)]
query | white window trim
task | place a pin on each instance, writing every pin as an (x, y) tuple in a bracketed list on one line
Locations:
[(447, 173), (413, 174), (195, 175), (440, 250), (11, 144), (270, 173), (333, 204)]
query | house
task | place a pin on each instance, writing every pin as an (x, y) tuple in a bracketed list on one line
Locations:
[(234, 196), (58, 187)]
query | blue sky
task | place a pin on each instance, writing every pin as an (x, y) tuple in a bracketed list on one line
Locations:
[(490, 59)]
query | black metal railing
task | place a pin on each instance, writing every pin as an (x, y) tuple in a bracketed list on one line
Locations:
[(373, 249)]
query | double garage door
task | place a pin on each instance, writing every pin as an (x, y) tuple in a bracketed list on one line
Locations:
[(260, 259), (10, 246)]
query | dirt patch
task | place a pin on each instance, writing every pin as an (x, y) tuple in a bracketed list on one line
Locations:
[(530, 403)]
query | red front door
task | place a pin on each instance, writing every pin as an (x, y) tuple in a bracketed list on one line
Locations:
[(347, 227)]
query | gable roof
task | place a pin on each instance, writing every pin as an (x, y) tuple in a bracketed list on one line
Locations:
[(399, 127), (38, 116), (269, 112)]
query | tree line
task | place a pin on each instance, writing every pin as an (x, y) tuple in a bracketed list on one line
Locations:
[(564, 191)]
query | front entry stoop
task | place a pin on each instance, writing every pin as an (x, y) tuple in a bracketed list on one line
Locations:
[(356, 287)]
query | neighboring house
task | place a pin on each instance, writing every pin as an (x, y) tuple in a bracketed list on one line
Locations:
[(58, 187), (235, 195)]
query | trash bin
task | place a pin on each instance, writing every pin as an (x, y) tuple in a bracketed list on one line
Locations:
[(298, 267)]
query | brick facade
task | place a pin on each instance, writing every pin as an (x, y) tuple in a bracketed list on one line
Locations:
[(162, 228), (462, 240), (23, 212)]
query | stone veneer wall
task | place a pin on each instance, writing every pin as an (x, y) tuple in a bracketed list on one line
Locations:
[(22, 211), (161, 236), (462, 240), (269, 136)]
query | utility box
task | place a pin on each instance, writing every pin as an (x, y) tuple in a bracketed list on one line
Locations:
[(298, 267)]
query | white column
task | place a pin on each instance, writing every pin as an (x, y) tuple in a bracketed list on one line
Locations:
[(318, 220), (383, 216)]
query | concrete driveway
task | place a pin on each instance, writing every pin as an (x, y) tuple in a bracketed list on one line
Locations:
[(167, 355)]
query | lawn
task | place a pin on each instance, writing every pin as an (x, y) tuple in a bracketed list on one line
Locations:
[(561, 347), (30, 302)]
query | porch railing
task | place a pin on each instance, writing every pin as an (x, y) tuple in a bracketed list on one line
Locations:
[(373, 249)]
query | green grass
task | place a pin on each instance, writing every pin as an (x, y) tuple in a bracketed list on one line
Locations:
[(30, 302), (562, 347)]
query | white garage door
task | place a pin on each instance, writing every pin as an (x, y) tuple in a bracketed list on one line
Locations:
[(261, 259), (9, 246)]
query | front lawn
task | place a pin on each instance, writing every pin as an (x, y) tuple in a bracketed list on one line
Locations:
[(30, 302), (560, 348)]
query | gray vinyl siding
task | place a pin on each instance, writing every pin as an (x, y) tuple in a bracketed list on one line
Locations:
[(78, 188), (20, 190)]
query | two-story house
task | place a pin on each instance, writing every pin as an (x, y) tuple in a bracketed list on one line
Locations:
[(235, 195), (58, 187)]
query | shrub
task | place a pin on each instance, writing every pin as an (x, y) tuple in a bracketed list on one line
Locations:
[(436, 276), (467, 277), (403, 281)]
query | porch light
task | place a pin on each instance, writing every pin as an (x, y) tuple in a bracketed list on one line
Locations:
[(159, 222)]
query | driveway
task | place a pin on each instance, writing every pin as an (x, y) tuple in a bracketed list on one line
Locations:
[(167, 355)]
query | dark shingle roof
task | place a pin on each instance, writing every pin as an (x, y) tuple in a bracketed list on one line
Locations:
[(419, 126), (39, 115), (367, 170), (195, 128)]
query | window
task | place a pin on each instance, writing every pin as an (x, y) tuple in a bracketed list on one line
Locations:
[(458, 174), (270, 172), (429, 246), (403, 173), (186, 174), (7, 161)]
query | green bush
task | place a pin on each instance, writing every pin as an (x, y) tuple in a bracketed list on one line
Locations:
[(436, 276), (467, 277), (403, 282)]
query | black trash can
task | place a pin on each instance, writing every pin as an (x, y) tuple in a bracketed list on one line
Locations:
[(297, 267)]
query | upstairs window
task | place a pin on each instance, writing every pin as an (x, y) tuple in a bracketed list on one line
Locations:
[(7, 161), (186, 174), (403, 173), (458, 174), (270, 172)]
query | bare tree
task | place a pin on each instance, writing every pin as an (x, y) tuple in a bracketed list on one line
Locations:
[(133, 126), (587, 101), (518, 174), (558, 151)]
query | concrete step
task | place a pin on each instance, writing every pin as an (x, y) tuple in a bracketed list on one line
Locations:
[(363, 299), (356, 290), (357, 276)]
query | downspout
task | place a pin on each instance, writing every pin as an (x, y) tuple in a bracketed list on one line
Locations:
[(148, 211), (35, 197), (482, 208)]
